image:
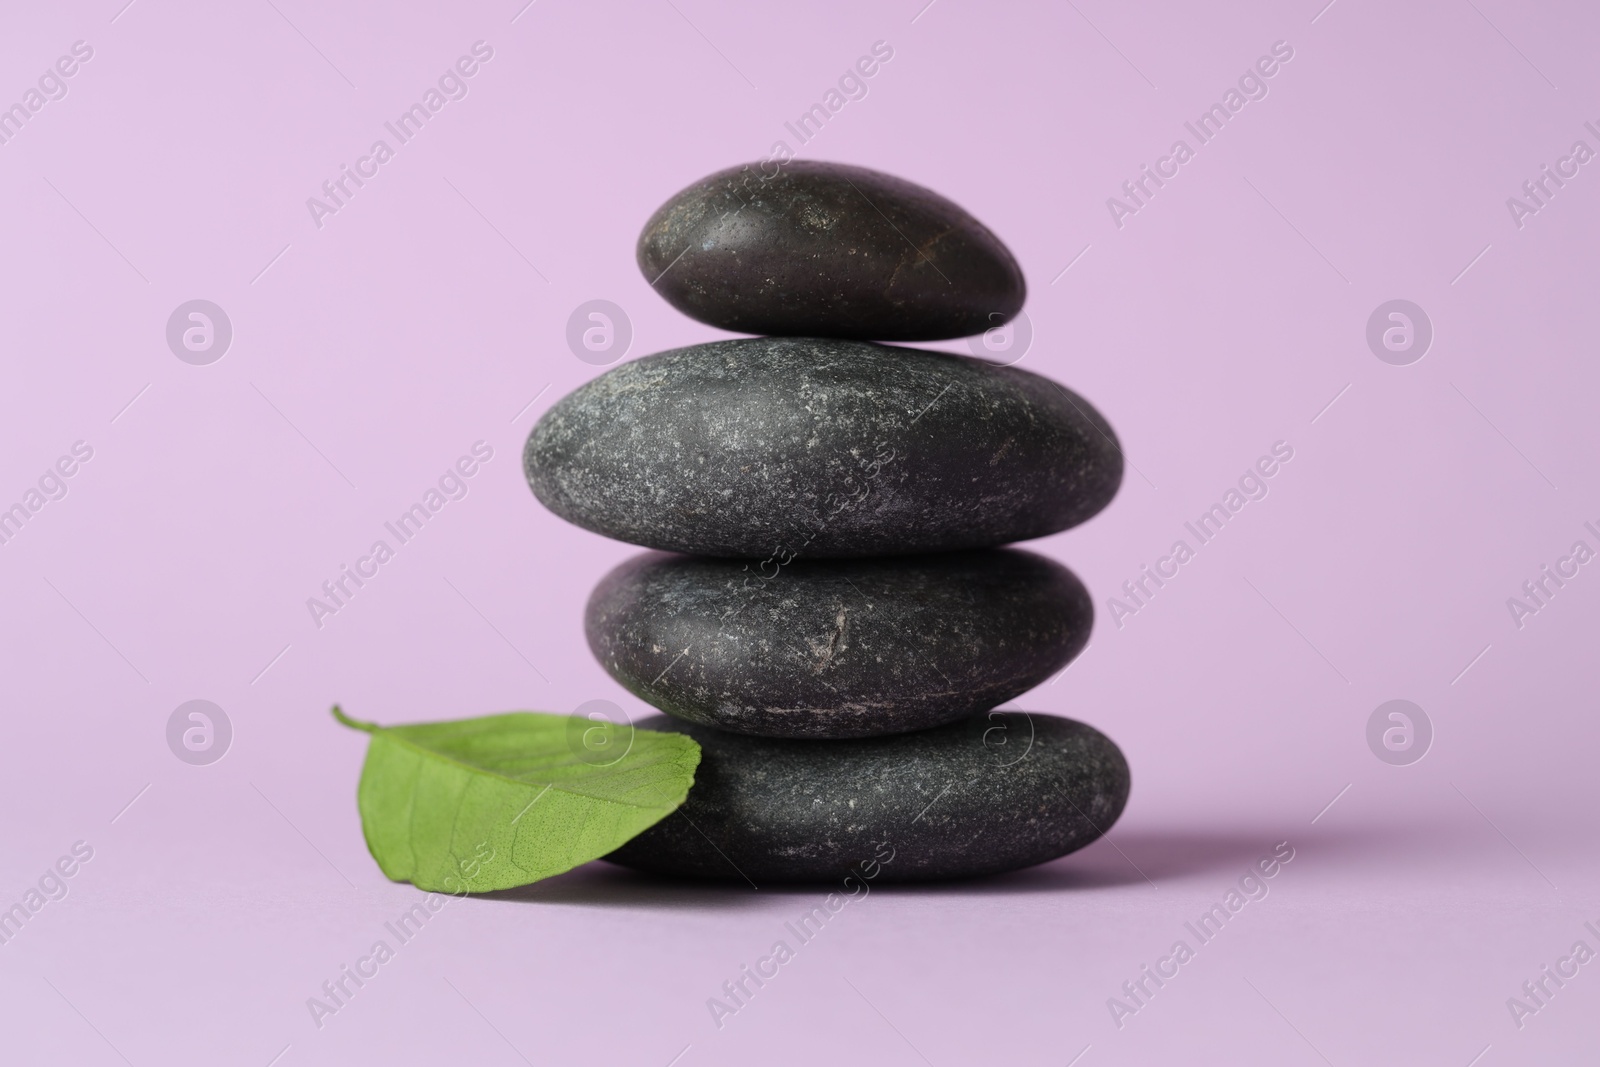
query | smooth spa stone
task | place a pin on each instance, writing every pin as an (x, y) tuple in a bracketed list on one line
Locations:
[(991, 793), (815, 448), (836, 648), (812, 249)]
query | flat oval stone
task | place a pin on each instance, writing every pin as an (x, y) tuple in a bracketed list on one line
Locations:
[(991, 793), (828, 250), (802, 446), (836, 648)]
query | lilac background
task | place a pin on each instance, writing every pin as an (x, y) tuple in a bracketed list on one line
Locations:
[(429, 312)]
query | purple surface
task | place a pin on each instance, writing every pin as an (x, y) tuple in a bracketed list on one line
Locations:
[(430, 312)]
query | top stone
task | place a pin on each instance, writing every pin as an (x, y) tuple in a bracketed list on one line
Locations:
[(828, 250)]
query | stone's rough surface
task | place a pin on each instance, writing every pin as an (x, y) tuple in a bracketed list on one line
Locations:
[(818, 448), (990, 793), (828, 250), (836, 648)]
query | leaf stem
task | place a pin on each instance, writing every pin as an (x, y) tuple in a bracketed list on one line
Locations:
[(355, 724)]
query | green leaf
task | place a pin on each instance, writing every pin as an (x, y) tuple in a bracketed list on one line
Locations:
[(503, 800)]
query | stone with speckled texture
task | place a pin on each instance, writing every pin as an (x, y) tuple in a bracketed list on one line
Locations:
[(992, 793), (836, 648), (814, 249), (821, 448)]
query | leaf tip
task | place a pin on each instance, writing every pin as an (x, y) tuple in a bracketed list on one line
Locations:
[(354, 724)]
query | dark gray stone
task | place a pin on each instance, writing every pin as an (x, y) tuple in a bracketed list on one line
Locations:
[(836, 648), (826, 250), (817, 448), (988, 794)]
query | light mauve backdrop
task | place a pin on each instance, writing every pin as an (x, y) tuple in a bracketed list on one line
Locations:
[(1227, 313)]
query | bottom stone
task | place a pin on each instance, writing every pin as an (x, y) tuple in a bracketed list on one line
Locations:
[(995, 792)]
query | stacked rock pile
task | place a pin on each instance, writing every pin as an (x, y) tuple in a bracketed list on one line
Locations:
[(830, 616)]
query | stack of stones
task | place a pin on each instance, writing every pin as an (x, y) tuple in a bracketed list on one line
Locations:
[(830, 615)]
